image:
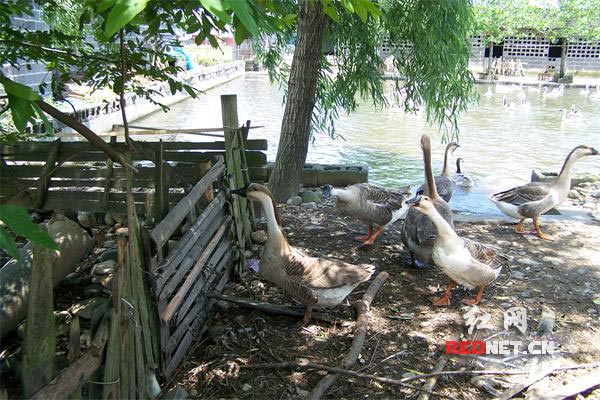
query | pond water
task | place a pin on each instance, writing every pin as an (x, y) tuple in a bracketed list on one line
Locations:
[(499, 146)]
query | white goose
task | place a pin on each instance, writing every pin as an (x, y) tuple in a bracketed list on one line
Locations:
[(585, 92)]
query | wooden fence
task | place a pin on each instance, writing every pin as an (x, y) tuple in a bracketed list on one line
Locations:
[(161, 293)]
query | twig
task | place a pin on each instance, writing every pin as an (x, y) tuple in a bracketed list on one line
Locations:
[(360, 332), (337, 370), (439, 366), (269, 308)]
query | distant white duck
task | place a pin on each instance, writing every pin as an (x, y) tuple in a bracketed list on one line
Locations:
[(462, 180), (507, 105), (525, 104), (489, 92), (537, 89), (554, 94), (502, 89), (585, 92), (573, 113), (596, 96)]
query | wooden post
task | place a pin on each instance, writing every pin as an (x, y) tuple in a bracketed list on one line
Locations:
[(39, 346), (244, 170), (235, 180), (74, 350), (161, 185), (108, 177), (203, 168), (44, 182)]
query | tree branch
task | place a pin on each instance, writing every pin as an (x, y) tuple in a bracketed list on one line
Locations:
[(86, 132)]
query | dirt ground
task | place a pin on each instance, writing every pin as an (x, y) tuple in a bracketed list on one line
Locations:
[(406, 333)]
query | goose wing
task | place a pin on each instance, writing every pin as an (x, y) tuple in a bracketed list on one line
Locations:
[(531, 192), (444, 185), (320, 273), (486, 254), (391, 199)]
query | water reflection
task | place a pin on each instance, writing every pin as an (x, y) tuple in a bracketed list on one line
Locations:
[(499, 146)]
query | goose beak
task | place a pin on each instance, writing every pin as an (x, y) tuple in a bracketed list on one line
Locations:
[(595, 152), (415, 201), (243, 191)]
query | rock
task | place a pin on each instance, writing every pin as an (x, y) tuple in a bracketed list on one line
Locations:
[(93, 290), (294, 201), (310, 206), (525, 294), (122, 231), (258, 237), (505, 305), (518, 275), (596, 194), (528, 261), (105, 268), (99, 250), (248, 254), (86, 219), (574, 194), (246, 387), (104, 280), (85, 308), (409, 374), (110, 244), (311, 197), (110, 254), (582, 271)]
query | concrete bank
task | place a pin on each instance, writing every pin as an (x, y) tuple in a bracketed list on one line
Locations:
[(102, 115)]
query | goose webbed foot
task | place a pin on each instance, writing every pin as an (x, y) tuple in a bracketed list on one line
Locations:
[(364, 238), (372, 238), (305, 320), (445, 299), (538, 230), (476, 300), (520, 228)]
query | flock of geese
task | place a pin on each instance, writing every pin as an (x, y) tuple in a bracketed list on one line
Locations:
[(545, 92), (427, 232)]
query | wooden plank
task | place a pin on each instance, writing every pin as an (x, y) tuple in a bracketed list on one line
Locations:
[(178, 356), (246, 176), (198, 314), (209, 272), (47, 170), (167, 226), (161, 183), (189, 239), (71, 148), (176, 301), (258, 174), (188, 261)]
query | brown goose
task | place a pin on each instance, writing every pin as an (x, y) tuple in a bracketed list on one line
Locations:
[(444, 183), (534, 199), (466, 262), (418, 231), (315, 282), (375, 206)]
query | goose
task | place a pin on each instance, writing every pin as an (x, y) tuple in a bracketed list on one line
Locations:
[(554, 94), (460, 179), (525, 105), (585, 92), (537, 89), (571, 114), (315, 282), (489, 92), (466, 262), (418, 231), (506, 104), (535, 198), (375, 206), (443, 182), (596, 96)]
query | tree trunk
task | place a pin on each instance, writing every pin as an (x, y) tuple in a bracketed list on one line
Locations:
[(295, 128), (563, 58)]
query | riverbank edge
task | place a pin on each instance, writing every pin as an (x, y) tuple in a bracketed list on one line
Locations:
[(100, 117)]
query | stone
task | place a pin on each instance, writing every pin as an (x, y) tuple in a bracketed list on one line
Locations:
[(310, 197), (110, 254), (294, 201), (104, 280), (574, 194), (258, 237), (93, 290), (311, 227), (505, 305), (518, 275), (528, 261), (525, 294), (248, 253), (85, 308), (246, 387), (309, 206), (596, 194), (110, 244), (105, 268)]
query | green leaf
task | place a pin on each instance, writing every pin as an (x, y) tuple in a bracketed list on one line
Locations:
[(19, 90), (240, 33), (21, 111), (596, 301), (105, 5), (121, 14), (242, 10), (217, 8), (360, 9), (7, 243), (17, 219)]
